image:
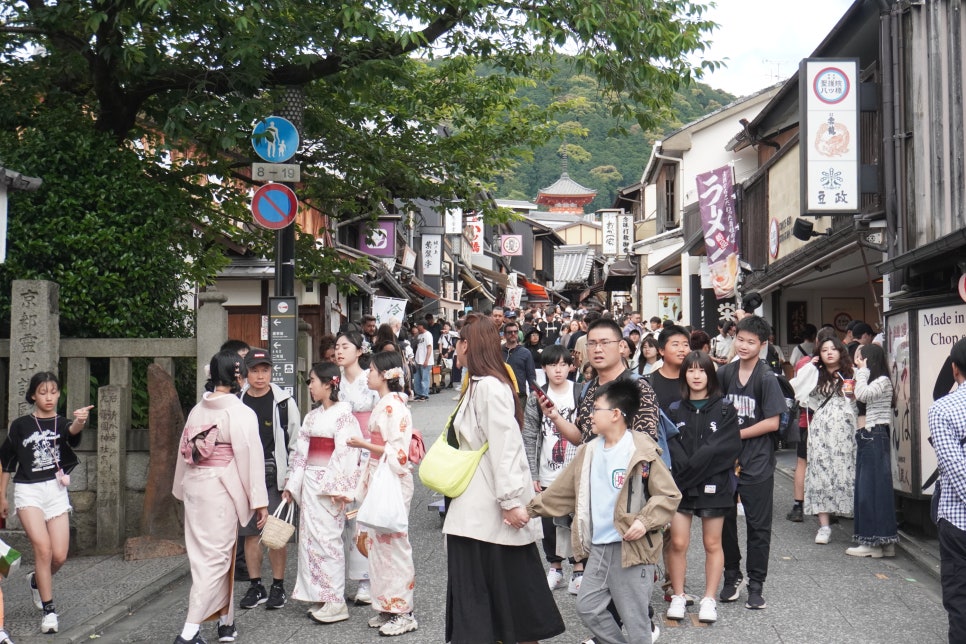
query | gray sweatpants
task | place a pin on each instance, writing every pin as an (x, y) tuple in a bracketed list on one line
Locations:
[(629, 588)]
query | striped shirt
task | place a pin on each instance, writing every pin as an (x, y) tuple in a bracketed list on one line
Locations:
[(877, 396), (947, 426)]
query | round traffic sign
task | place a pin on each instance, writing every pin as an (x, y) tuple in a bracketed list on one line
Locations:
[(275, 139), (274, 206)]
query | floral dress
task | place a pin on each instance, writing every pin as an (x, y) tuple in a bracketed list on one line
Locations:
[(391, 569), (323, 467), (830, 472)]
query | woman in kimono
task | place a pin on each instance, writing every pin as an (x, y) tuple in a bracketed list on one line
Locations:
[(391, 569), (223, 478), (830, 468), (354, 389), (324, 476)]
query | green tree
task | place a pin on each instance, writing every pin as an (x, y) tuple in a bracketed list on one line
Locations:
[(175, 87)]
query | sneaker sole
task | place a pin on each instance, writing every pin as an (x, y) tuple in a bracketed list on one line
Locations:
[(734, 596), (328, 620), (227, 638), (275, 606), (676, 618), (251, 606), (750, 607), (707, 621), (403, 632)]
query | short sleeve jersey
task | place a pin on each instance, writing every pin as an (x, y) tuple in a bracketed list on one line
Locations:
[(756, 400)]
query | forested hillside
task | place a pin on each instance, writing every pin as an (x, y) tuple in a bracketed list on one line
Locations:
[(596, 158)]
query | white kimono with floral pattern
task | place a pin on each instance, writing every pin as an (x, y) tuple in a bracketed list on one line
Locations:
[(391, 569), (317, 475)]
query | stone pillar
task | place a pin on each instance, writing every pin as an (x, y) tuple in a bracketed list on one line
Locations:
[(160, 517), (113, 418), (34, 338), (211, 330), (305, 361)]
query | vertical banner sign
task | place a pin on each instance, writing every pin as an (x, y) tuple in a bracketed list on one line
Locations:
[(453, 221), (830, 136), (899, 348), (608, 226), (474, 234), (385, 309), (282, 341), (513, 296), (432, 254), (625, 234), (716, 201)]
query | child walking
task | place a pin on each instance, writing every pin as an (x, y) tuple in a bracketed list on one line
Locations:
[(323, 478), (703, 456), (38, 450), (622, 495), (392, 574), (549, 450)]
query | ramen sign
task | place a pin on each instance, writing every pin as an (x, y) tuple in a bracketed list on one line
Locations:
[(716, 201)]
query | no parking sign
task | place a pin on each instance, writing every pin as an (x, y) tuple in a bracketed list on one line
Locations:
[(274, 206)]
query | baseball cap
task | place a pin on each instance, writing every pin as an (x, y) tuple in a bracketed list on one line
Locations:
[(257, 356), (511, 314)]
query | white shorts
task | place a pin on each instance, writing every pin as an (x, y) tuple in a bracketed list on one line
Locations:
[(49, 496)]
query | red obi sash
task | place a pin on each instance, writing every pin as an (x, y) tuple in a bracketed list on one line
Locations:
[(363, 418), (320, 451)]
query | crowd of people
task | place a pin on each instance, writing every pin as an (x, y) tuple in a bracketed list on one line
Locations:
[(602, 437)]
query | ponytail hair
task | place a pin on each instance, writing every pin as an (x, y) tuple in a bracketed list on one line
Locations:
[(226, 369)]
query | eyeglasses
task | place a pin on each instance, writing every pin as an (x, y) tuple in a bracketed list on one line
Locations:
[(596, 409), (603, 344)]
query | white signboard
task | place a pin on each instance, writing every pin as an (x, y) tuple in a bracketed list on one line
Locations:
[(939, 329), (625, 234), (513, 296), (453, 221), (511, 245), (608, 226), (830, 136), (432, 254), (475, 234), (385, 309)]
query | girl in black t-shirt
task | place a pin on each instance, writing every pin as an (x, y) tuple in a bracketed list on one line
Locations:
[(38, 452)]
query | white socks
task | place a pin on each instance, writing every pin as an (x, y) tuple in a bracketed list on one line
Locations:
[(189, 630), (223, 620)]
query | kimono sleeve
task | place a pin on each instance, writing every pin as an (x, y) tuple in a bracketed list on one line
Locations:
[(398, 432), (298, 456), (345, 466)]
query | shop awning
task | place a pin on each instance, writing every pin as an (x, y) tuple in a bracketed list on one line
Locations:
[(474, 284), (665, 259), (952, 243), (422, 289), (817, 252), (389, 283), (498, 278), (536, 292)]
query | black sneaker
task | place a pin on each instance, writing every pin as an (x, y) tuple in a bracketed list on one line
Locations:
[(276, 596), (796, 515), (731, 589), (197, 639), (755, 599), (256, 595), (227, 633)]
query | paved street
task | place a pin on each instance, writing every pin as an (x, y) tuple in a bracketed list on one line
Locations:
[(814, 593)]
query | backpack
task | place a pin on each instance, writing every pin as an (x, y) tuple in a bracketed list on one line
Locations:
[(198, 443), (774, 362)]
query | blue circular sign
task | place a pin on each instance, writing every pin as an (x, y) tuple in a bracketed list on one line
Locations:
[(275, 139), (274, 206)]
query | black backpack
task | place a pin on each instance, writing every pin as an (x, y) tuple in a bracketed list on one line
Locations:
[(788, 429)]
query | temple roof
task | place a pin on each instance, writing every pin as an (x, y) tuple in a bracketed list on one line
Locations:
[(565, 186)]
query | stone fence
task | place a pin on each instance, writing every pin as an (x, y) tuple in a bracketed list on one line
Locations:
[(109, 486)]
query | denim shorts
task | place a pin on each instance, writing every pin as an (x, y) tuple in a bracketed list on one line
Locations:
[(49, 496)]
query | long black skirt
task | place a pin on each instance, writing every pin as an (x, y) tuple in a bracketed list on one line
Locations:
[(497, 593)]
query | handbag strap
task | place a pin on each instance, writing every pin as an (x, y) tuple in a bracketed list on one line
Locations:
[(452, 438), (288, 513)]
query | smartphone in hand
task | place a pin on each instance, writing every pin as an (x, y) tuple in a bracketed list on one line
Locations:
[(542, 397)]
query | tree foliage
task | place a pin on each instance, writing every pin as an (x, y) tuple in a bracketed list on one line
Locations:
[(167, 91)]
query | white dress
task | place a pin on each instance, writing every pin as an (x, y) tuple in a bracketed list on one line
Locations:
[(830, 471)]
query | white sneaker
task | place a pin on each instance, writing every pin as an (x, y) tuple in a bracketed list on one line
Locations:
[(379, 620), (362, 593), (34, 593), (677, 608), (823, 535), (574, 586), (49, 623), (330, 613), (554, 578), (709, 611), (399, 624), (655, 632), (865, 551)]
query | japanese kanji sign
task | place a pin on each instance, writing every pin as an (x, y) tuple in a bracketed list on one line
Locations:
[(829, 142), (432, 254), (716, 202), (385, 309), (609, 235)]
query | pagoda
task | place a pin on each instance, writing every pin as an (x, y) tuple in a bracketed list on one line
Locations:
[(565, 195)]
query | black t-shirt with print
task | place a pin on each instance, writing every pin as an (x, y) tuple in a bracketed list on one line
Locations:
[(35, 447), (668, 391), (759, 398), (264, 408)]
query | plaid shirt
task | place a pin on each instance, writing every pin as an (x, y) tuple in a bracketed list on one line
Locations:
[(947, 425)]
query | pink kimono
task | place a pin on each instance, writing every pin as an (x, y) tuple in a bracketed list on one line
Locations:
[(219, 495), (391, 569)]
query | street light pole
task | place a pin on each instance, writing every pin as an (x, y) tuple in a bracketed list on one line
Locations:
[(292, 108)]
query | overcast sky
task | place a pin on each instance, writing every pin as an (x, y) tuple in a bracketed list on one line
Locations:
[(762, 41)]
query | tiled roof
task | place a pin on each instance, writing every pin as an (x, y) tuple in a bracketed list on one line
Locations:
[(571, 264), (567, 187)]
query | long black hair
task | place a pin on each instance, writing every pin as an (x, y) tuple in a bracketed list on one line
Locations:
[(329, 373), (386, 360), (38, 379), (701, 360), (226, 369)]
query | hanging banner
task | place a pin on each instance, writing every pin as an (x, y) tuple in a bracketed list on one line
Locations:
[(432, 254), (608, 228), (716, 201), (625, 234), (453, 222), (829, 144), (385, 309), (511, 245), (474, 234), (513, 296)]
